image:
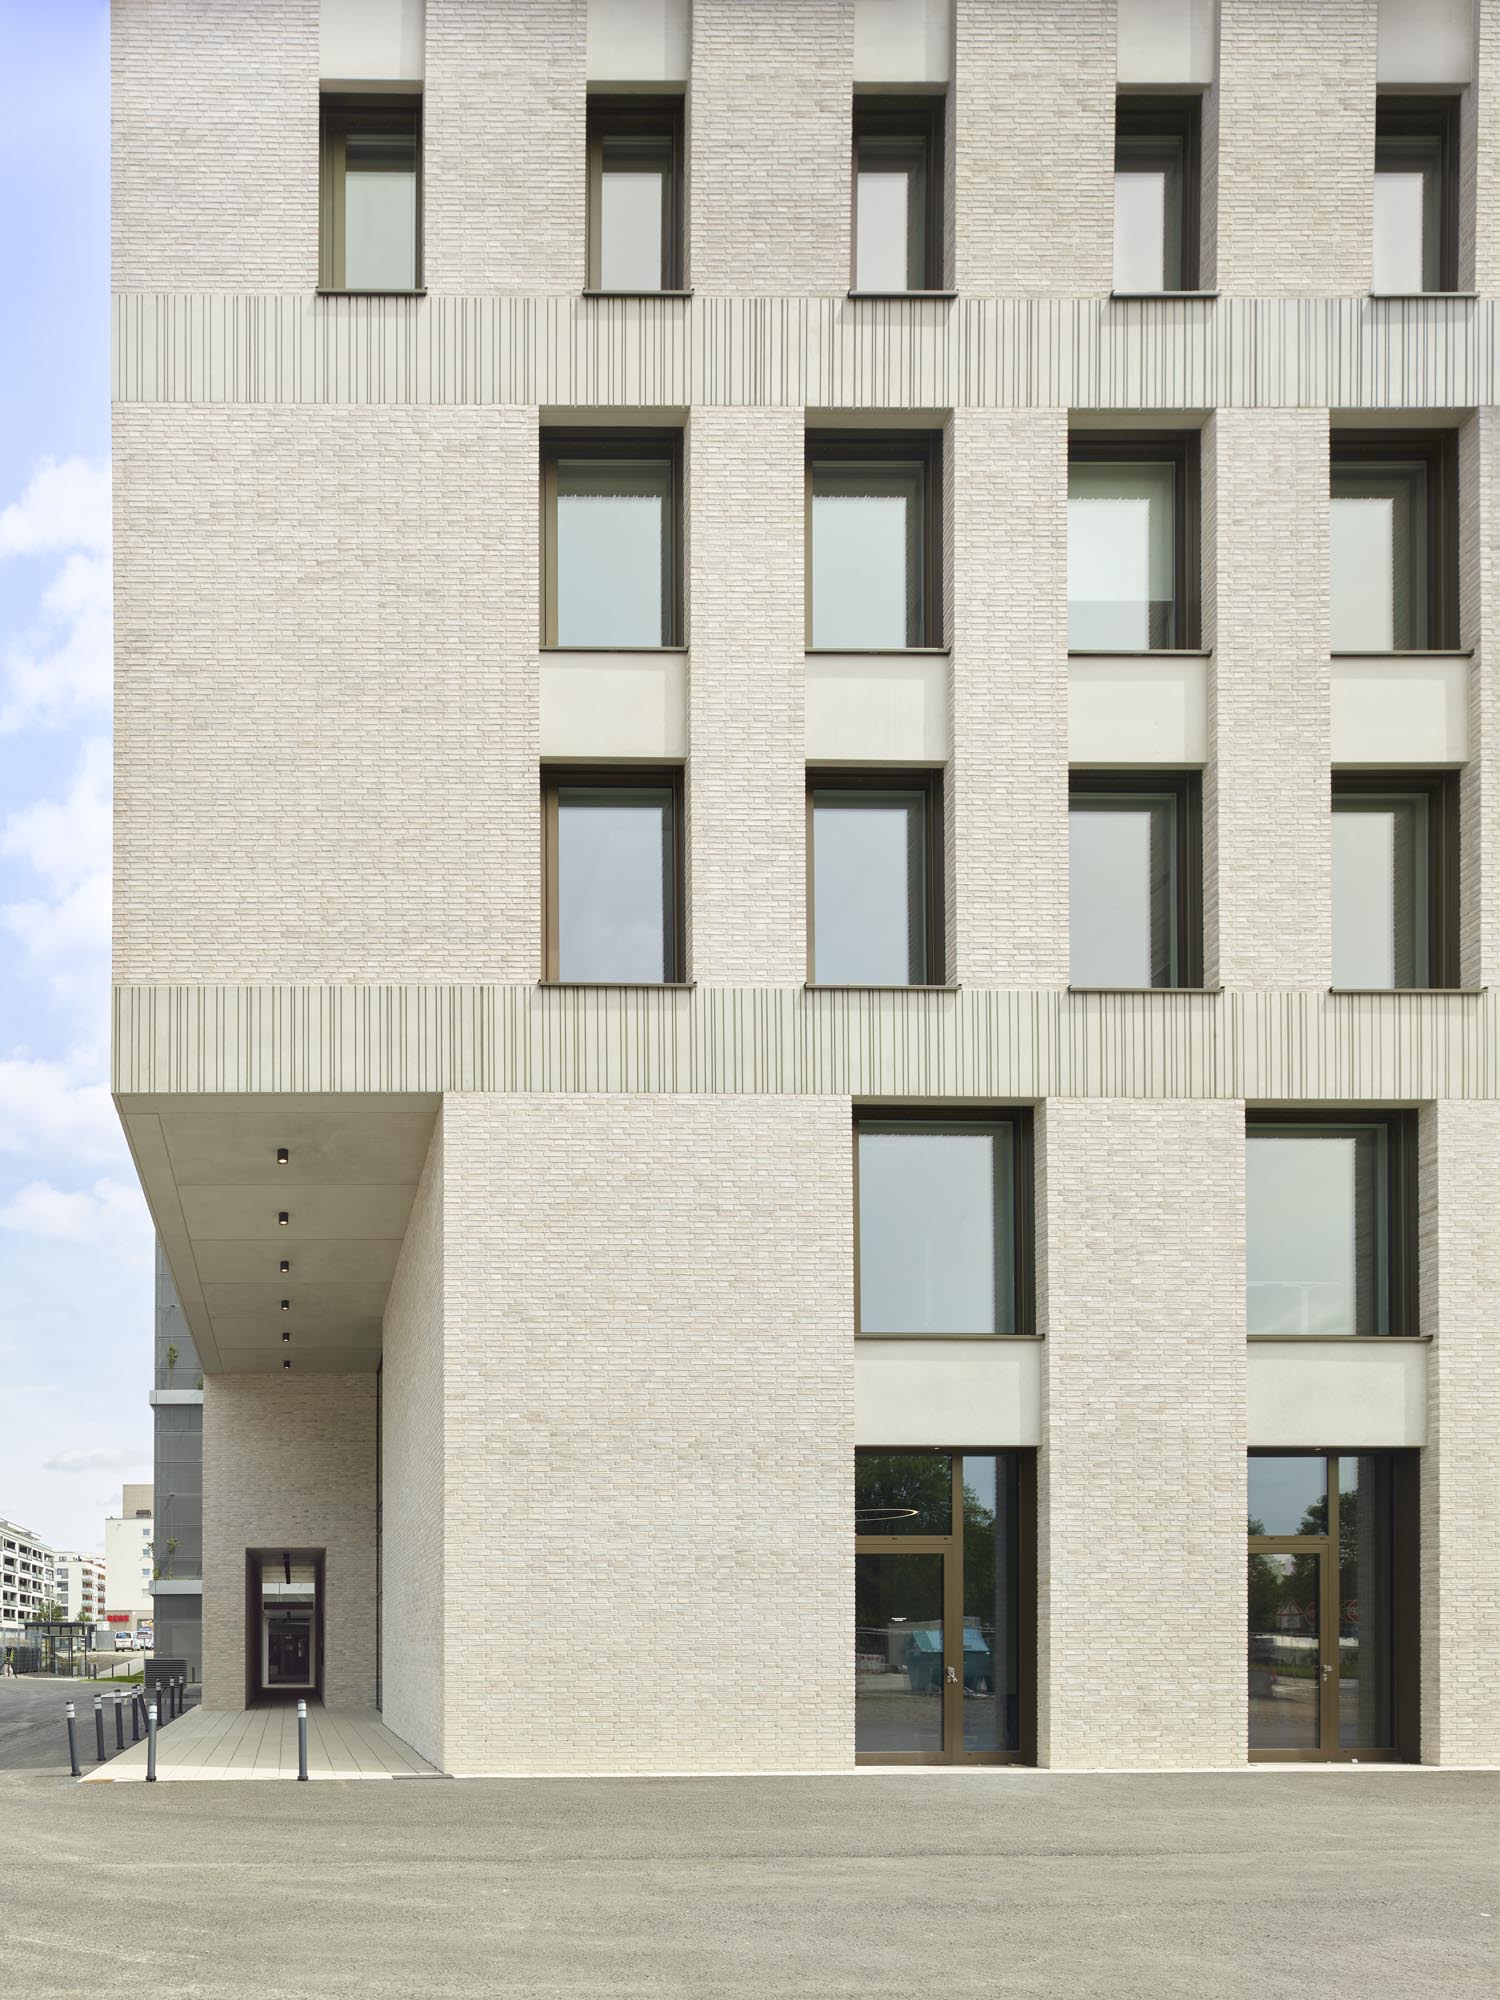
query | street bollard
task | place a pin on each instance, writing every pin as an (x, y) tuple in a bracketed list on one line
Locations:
[(119, 1722), (99, 1727), (135, 1717), (73, 1742), (151, 1744), (301, 1742), (182, 1694), (177, 1685)]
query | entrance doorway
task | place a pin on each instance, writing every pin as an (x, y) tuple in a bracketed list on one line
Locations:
[(1332, 1632), (943, 1592), (283, 1625)]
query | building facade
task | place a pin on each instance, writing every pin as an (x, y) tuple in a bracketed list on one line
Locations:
[(177, 1425), (129, 1538), (808, 866), (28, 1576), (81, 1586)]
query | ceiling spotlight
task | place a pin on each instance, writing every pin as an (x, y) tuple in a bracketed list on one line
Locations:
[(286, 1364), (286, 1305), (286, 1333), (281, 1156), (283, 1218), (285, 1267)]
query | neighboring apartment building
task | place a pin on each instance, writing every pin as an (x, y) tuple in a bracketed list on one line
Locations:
[(28, 1575), (80, 1586), (128, 1541), (177, 1406), (807, 840)]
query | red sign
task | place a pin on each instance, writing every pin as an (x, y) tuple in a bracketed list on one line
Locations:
[(117, 1617)]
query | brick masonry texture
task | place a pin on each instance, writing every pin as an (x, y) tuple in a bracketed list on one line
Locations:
[(1479, 602), (649, 1451), (769, 145), (413, 1568), (1141, 1477), (290, 1464), (1033, 107), (1459, 1264), (326, 694), (1296, 127), (215, 154)]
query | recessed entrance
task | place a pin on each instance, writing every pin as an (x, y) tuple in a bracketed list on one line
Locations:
[(283, 1624), (943, 1593)]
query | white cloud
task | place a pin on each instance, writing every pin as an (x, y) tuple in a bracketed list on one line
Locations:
[(58, 1110), (110, 1215), (103, 1458), (67, 843), (62, 666)]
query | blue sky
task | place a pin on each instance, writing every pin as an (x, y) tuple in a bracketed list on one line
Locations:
[(75, 1242)]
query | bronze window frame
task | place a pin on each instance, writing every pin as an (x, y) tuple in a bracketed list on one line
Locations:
[(337, 111), (643, 119), (926, 780), (1186, 789), (557, 778), (951, 1548), (1440, 790), (1019, 1228), (1141, 117), (1437, 450), (922, 448), (624, 442), (1402, 1291), (1405, 1591), (1400, 116), (921, 120), (1181, 449)]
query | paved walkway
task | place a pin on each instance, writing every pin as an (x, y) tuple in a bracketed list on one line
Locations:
[(262, 1743)]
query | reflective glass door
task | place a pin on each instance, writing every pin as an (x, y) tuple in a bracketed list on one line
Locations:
[(1287, 1667)]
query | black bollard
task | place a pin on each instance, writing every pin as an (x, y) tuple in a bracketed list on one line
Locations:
[(135, 1717), (99, 1727), (302, 1742), (73, 1742), (119, 1722), (151, 1744)]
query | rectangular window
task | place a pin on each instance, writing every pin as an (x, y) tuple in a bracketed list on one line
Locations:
[(944, 1224), (612, 846), (635, 220), (1134, 879), (874, 892), (611, 538), (371, 195), (1156, 194), (1393, 541), (1416, 195), (898, 194), (873, 556), (1395, 880), (1330, 1223), (1132, 542)]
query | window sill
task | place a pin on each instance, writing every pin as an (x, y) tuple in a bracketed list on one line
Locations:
[(550, 650), (844, 986), (664, 292), (1164, 295), (343, 292), (1144, 989), (934, 294), (1348, 1339), (1140, 653), (1423, 295), (1406, 992), (877, 652), (1031, 1339), (617, 985), (1407, 653)]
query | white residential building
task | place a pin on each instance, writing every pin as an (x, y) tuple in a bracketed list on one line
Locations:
[(128, 1540), (28, 1577)]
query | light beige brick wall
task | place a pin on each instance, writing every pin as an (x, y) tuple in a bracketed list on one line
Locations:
[(503, 133), (214, 110), (650, 1452), (747, 874), (1481, 133), (414, 1571), (1459, 1260), (1141, 1476), (1007, 792), (289, 1463), (1296, 130), (325, 694), (1033, 102), (769, 145), (1267, 844), (1479, 611)]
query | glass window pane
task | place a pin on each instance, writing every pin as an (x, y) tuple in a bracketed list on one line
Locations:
[(1378, 558), (1315, 1249), (903, 1493), (890, 215), (869, 888), (614, 884), (1399, 203), (992, 1605), (867, 534), (380, 212), (1122, 910), (1283, 1651), (633, 197), (1380, 916), (898, 1654), (1121, 555), (613, 551), (1288, 1496), (1367, 1634), (1140, 231), (936, 1210)]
